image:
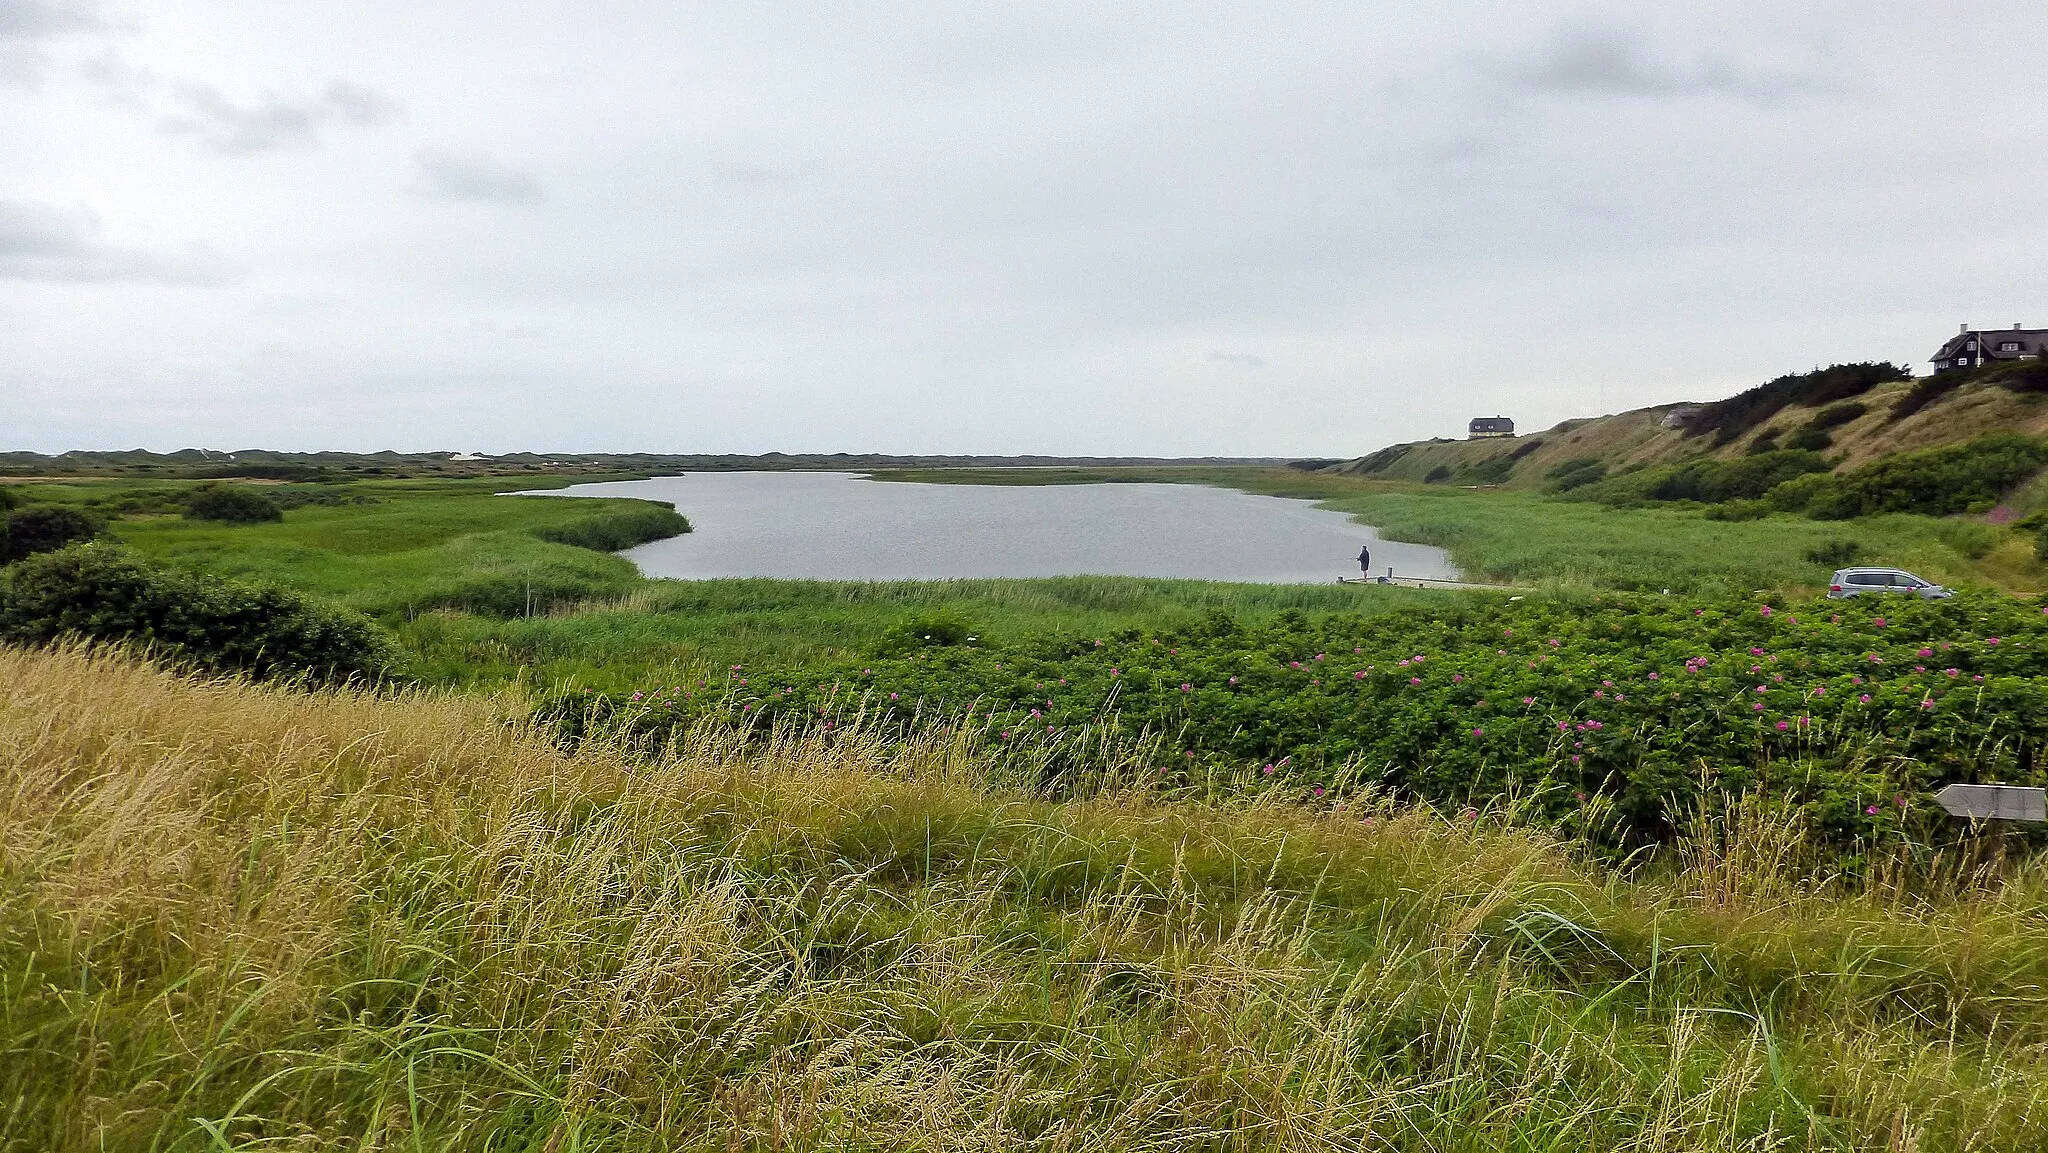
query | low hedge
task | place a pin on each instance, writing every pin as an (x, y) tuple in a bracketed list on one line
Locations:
[(102, 592)]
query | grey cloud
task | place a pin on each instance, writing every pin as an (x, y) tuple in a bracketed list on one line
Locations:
[(449, 176), (1592, 57), (118, 81), (36, 19), (274, 121), (45, 243), (24, 24)]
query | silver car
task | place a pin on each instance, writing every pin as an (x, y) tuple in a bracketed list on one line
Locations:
[(1851, 582)]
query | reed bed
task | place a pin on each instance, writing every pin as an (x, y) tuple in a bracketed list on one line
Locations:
[(243, 917)]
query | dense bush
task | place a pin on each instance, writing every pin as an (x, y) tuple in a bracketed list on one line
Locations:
[(1437, 475), (302, 473), (620, 526), (2016, 376), (1835, 554), (44, 528), (1801, 492), (233, 505), (937, 628), (1492, 470), (1746, 478), (1937, 481), (8, 500), (1577, 473), (1730, 418), (101, 592), (1847, 708), (1815, 434)]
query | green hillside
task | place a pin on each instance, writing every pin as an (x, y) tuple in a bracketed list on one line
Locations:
[(1852, 418)]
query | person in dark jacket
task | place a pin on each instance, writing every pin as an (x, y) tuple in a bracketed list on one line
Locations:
[(1365, 561)]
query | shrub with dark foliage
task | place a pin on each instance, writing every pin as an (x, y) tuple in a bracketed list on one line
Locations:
[(101, 592), (1745, 479), (233, 505), (1730, 418), (44, 528)]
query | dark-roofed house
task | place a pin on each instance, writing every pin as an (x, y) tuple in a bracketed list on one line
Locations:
[(1973, 347), (1485, 426)]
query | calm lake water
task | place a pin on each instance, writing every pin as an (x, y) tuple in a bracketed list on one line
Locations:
[(840, 526)]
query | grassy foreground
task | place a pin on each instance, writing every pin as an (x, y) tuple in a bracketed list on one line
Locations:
[(240, 918)]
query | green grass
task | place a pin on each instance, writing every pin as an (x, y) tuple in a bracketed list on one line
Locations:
[(245, 918), (677, 630), (424, 545)]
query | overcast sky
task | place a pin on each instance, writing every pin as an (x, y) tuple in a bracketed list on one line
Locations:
[(1161, 228)]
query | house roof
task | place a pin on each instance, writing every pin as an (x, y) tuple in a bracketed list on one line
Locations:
[(2032, 341)]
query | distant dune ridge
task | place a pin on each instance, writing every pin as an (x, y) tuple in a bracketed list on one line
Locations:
[(1896, 415)]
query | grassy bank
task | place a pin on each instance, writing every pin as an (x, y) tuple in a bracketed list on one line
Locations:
[(411, 546), (1526, 538), (243, 918)]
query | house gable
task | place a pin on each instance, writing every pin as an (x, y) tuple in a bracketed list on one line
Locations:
[(1974, 347)]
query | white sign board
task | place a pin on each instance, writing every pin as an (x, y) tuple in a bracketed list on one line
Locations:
[(1995, 802)]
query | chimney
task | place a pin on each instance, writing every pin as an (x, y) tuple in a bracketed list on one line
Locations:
[(1966, 326), (2016, 326)]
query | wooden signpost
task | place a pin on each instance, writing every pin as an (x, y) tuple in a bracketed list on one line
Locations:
[(1994, 802)]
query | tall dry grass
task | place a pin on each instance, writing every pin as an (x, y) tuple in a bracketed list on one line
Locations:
[(237, 918)]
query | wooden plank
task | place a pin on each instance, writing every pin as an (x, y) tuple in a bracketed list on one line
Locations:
[(1995, 802)]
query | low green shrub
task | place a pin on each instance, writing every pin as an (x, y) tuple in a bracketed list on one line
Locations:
[(1924, 392), (935, 629), (1493, 470), (1848, 710), (1747, 478), (44, 528), (1814, 435), (1437, 475), (1835, 554), (620, 526), (8, 501), (1799, 493), (231, 505), (1577, 473), (1942, 481), (102, 592)]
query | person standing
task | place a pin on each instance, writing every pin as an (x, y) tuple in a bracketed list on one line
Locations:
[(1365, 561)]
